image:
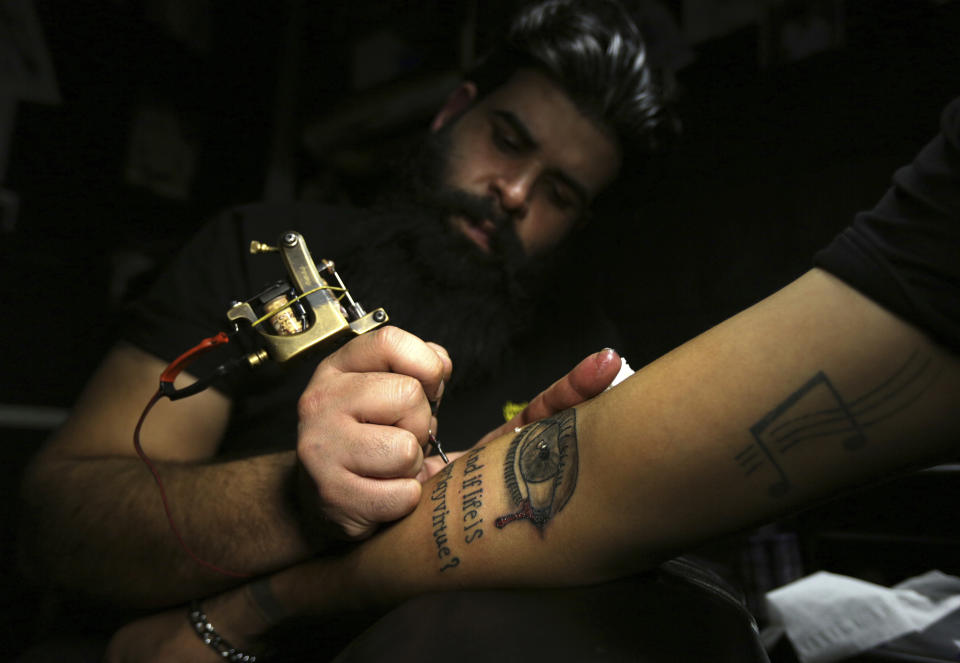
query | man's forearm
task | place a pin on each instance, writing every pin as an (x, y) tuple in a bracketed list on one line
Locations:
[(115, 540)]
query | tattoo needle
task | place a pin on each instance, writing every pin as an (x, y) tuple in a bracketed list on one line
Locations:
[(436, 445), (434, 406)]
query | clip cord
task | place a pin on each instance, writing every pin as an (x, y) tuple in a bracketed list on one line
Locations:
[(177, 365), (166, 389)]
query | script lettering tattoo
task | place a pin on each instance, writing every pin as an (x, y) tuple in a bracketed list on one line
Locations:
[(439, 513), (818, 413), (472, 496), (540, 469)]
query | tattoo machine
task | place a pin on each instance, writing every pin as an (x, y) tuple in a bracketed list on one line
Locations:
[(311, 309)]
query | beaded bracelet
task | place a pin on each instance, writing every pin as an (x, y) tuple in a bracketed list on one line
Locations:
[(206, 632)]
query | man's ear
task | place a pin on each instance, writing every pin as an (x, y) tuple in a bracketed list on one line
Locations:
[(458, 101)]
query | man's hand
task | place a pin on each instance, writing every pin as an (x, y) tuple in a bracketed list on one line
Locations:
[(587, 379), (364, 421)]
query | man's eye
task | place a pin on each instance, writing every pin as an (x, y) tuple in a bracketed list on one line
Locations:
[(505, 142), (560, 197)]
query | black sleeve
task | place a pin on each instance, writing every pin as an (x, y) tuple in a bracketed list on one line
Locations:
[(905, 252), (188, 301)]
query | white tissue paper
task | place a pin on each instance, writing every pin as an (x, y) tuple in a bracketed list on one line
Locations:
[(625, 372), (829, 617)]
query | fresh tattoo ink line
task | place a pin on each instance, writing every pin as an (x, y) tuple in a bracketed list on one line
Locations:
[(439, 513), (817, 411), (472, 497), (540, 469)]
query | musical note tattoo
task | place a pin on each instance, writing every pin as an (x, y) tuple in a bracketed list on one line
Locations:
[(816, 412)]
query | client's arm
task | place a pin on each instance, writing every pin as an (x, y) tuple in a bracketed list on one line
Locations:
[(813, 391)]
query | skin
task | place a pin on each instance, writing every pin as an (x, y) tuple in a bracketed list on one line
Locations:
[(659, 464), (353, 469), (352, 415), (92, 455), (543, 168)]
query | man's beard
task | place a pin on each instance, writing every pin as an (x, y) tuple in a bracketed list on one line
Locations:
[(433, 281)]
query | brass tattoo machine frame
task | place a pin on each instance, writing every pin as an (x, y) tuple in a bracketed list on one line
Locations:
[(312, 309)]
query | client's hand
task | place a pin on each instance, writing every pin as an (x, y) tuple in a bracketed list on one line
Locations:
[(364, 421), (587, 379)]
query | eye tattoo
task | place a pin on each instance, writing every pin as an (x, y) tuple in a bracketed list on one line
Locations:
[(540, 469)]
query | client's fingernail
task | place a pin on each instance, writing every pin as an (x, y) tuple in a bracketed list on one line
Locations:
[(605, 356)]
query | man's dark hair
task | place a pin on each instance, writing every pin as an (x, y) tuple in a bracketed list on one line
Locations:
[(594, 50)]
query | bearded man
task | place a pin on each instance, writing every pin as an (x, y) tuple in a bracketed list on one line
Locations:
[(481, 252)]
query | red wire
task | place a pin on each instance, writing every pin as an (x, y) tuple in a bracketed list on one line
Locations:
[(171, 372), (163, 494)]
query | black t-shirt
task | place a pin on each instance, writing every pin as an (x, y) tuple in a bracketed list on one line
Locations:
[(190, 299), (905, 252)]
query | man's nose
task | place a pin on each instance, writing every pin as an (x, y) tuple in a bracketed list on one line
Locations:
[(513, 191)]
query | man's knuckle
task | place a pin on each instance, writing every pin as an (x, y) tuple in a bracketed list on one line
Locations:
[(393, 447), (407, 390), (406, 497), (436, 369), (407, 450), (305, 450), (307, 404), (389, 337)]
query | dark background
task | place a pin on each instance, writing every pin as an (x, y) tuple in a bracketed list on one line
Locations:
[(277, 100)]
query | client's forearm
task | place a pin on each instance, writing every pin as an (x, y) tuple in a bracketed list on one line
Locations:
[(518, 511), (813, 391)]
